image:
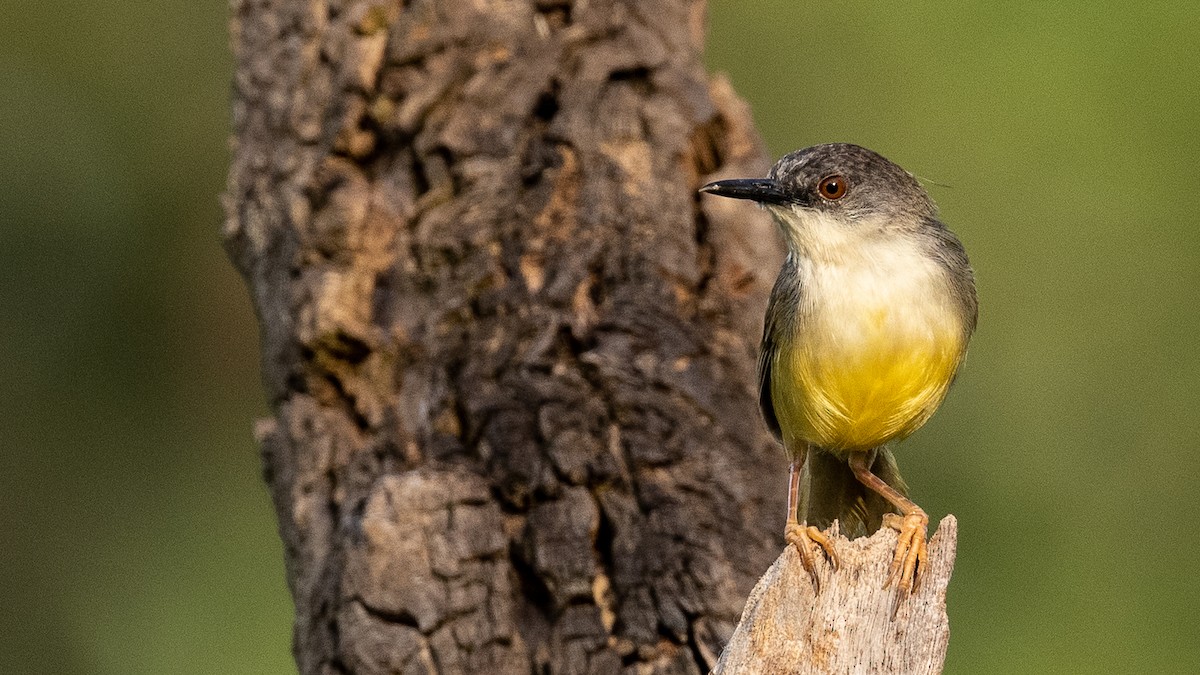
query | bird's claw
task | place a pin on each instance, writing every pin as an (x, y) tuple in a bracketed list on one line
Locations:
[(807, 540), (912, 551)]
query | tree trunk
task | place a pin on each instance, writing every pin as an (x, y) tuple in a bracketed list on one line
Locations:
[(509, 353)]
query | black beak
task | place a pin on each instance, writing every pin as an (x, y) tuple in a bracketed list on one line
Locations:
[(761, 190)]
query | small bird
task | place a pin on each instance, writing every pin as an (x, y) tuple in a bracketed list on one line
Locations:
[(866, 327)]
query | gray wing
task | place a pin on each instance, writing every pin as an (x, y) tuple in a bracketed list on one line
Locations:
[(779, 321), (947, 248)]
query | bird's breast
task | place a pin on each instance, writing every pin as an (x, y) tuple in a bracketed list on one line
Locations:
[(876, 344)]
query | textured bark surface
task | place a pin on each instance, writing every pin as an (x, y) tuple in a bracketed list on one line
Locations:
[(509, 351), (854, 625)]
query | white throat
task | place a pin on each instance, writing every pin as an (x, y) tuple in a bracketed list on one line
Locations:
[(850, 272)]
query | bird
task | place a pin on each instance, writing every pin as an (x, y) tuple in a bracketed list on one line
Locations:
[(866, 327)]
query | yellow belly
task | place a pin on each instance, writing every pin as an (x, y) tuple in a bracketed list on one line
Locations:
[(866, 380)]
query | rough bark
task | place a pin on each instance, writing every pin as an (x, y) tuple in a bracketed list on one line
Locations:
[(509, 352), (855, 624)]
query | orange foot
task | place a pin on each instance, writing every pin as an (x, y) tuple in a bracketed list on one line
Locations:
[(911, 550), (808, 540)]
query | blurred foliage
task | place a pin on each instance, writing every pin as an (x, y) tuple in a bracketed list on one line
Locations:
[(137, 536), (1059, 140)]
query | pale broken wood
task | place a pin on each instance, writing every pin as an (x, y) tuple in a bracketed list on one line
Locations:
[(849, 626)]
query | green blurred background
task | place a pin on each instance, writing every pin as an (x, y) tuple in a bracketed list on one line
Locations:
[(1062, 141)]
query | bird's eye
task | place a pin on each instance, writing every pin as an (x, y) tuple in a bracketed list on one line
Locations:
[(832, 187)]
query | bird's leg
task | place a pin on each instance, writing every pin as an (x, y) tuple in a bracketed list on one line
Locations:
[(911, 550), (803, 536)]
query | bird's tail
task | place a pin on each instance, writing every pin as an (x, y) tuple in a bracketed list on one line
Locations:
[(829, 491)]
